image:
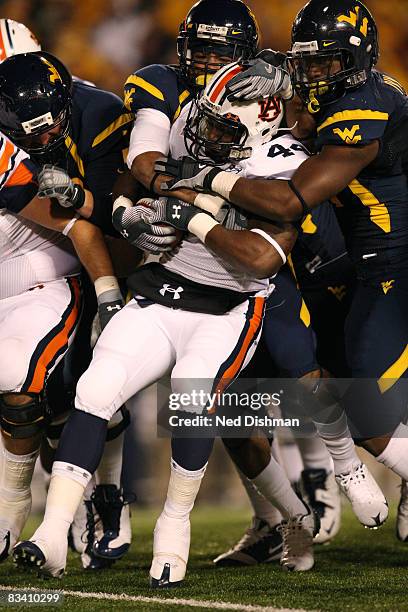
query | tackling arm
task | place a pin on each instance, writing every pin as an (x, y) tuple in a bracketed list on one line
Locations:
[(318, 179), (87, 239)]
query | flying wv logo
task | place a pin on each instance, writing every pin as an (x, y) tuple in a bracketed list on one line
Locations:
[(54, 76), (387, 285), (269, 109), (354, 20), (338, 292), (348, 136)]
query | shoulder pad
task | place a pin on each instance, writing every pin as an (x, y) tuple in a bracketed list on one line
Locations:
[(158, 87), (356, 119)]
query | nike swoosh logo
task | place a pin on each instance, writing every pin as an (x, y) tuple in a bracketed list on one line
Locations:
[(268, 68), (236, 32), (328, 44), (330, 529)]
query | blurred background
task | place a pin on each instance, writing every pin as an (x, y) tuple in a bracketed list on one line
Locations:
[(106, 40)]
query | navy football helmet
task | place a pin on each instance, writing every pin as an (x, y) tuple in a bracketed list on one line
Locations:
[(226, 29), (334, 48), (35, 98)]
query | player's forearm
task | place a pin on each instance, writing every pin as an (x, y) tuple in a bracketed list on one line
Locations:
[(89, 244), (269, 199), (143, 168), (249, 252)]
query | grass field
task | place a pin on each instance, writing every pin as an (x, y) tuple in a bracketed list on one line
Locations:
[(360, 570)]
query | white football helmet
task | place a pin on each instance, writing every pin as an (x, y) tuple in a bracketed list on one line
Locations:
[(219, 131), (16, 38)]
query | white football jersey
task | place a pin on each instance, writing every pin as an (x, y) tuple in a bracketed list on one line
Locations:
[(31, 255), (277, 159)]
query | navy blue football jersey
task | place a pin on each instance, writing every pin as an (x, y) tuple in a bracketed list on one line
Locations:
[(96, 147), (376, 201), (159, 87)]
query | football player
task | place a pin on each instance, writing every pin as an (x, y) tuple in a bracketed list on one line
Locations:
[(159, 96), (359, 115), (40, 305), (83, 129), (174, 311)]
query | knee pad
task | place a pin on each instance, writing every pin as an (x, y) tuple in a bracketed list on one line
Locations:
[(118, 423), (13, 364), (99, 388), (26, 420)]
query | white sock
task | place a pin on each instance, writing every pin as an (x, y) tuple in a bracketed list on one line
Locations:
[(314, 454), (17, 472), (395, 454), (340, 445), (182, 490), (67, 486), (273, 484), (110, 467), (292, 461), (263, 509)]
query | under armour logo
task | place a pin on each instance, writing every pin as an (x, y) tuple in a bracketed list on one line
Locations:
[(176, 208), (110, 308), (124, 233), (167, 289)]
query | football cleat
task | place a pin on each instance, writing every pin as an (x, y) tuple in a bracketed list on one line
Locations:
[(45, 555), (114, 514), (15, 515), (366, 498), (321, 493), (260, 543), (297, 535), (171, 545), (402, 515)]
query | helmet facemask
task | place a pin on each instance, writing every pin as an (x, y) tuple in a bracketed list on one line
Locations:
[(196, 58), (53, 149), (214, 138), (219, 131), (320, 77)]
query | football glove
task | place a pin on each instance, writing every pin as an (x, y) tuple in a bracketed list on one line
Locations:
[(187, 173), (136, 224), (55, 183), (263, 77)]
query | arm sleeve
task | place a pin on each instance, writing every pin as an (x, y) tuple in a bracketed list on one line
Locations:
[(151, 132)]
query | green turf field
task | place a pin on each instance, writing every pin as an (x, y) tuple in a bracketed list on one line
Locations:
[(361, 570)]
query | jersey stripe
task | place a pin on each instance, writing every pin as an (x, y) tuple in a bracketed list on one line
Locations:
[(231, 367), (304, 314), (55, 343), (115, 125), (21, 176), (394, 83), (72, 148), (378, 211), (394, 372), (354, 115), (183, 96), (137, 80)]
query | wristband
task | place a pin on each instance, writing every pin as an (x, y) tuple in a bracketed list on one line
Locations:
[(106, 283), (78, 197), (210, 203), (200, 225), (271, 241), (223, 183), (69, 225)]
